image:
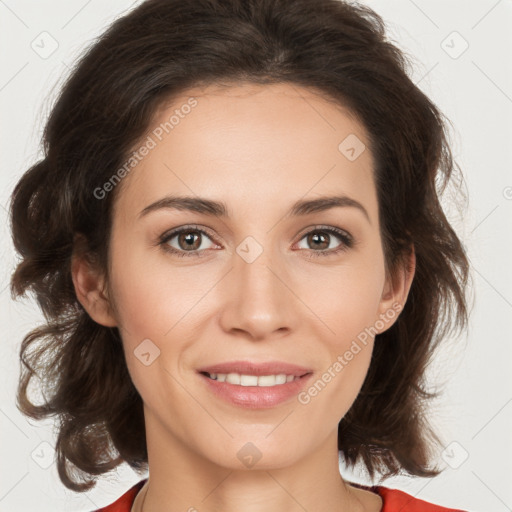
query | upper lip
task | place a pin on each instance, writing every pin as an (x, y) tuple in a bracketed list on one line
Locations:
[(253, 368)]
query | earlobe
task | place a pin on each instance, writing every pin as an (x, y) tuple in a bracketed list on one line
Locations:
[(396, 290), (89, 291)]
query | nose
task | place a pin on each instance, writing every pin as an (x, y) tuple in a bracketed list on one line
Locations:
[(258, 300)]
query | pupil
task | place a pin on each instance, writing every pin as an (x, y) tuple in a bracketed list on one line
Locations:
[(189, 240), (317, 238)]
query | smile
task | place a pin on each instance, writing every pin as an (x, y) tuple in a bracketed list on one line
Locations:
[(252, 380), (254, 391)]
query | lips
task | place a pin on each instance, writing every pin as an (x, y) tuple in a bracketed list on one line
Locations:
[(254, 368), (256, 397)]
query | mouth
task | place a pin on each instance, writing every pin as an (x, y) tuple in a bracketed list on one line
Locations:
[(255, 369), (245, 380), (254, 386)]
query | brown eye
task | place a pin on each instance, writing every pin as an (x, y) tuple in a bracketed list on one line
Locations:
[(186, 241), (318, 241)]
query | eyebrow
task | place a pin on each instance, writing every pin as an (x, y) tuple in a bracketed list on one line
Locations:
[(219, 209)]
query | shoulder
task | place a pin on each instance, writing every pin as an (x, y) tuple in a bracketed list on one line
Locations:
[(394, 500), (125, 502)]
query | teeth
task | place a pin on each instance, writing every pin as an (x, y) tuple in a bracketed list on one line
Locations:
[(253, 380)]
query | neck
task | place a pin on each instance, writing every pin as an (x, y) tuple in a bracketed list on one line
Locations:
[(138, 503), (183, 480)]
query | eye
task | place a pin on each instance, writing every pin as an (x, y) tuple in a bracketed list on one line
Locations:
[(189, 241), (321, 237)]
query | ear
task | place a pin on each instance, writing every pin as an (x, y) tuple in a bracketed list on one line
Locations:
[(89, 288), (395, 292)]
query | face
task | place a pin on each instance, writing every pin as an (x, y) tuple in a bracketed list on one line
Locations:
[(256, 277)]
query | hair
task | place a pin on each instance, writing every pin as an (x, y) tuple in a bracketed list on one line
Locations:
[(144, 59)]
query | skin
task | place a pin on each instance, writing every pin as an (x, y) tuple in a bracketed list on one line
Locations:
[(258, 149)]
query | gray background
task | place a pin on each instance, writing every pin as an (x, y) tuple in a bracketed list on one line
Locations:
[(472, 86)]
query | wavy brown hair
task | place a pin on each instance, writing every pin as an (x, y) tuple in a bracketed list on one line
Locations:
[(144, 59)]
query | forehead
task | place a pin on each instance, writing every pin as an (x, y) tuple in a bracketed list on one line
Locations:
[(249, 143)]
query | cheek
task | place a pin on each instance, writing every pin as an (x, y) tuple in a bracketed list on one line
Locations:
[(159, 309), (348, 306), (347, 298), (340, 380), (151, 298)]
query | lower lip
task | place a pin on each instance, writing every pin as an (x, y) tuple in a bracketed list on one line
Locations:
[(256, 397)]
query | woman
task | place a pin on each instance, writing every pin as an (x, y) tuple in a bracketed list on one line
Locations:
[(237, 240)]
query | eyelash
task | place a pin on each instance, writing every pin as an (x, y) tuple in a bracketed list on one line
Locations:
[(346, 239)]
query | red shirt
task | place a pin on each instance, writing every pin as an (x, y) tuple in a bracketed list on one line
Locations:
[(393, 501)]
